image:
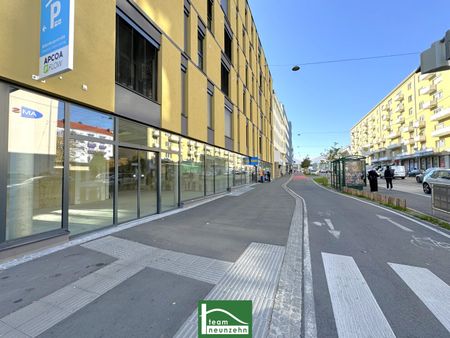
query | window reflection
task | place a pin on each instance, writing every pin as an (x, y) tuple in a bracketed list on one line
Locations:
[(192, 169), (35, 158), (135, 133), (221, 170), (209, 170), (169, 181), (87, 122), (91, 186)]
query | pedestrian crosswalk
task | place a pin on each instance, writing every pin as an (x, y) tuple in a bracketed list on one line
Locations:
[(355, 309)]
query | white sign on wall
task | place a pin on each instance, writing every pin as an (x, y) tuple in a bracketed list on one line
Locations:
[(56, 37)]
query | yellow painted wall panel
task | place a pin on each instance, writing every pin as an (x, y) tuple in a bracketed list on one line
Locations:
[(94, 51), (170, 86), (168, 15), (197, 91), (219, 119), (200, 6), (213, 59)]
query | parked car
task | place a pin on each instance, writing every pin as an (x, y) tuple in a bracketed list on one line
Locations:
[(419, 178), (435, 176), (399, 171), (414, 172)]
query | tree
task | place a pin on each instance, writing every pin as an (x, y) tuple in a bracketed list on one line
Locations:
[(305, 163), (332, 153)]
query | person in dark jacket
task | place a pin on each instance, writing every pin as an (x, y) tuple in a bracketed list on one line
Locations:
[(388, 176), (373, 180)]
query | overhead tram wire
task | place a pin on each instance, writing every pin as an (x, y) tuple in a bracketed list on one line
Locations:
[(296, 67)]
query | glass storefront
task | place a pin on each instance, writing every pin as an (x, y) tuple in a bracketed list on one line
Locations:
[(35, 164), (169, 181), (221, 170), (91, 185), (112, 170), (192, 169), (209, 170), (137, 184), (91, 170)]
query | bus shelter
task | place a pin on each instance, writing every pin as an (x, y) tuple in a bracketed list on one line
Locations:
[(348, 171)]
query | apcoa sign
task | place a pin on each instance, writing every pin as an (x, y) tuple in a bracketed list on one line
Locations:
[(56, 37)]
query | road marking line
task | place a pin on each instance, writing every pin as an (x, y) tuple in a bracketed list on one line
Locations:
[(318, 224), (386, 209), (356, 312), (308, 291), (335, 233), (431, 290), (395, 223)]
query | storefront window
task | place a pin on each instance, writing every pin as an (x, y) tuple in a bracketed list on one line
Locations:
[(221, 170), (192, 169), (135, 133), (35, 157), (91, 185), (169, 181), (88, 122), (170, 142), (209, 170)]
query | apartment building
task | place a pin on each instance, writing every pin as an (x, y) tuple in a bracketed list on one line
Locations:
[(280, 137), (166, 102), (410, 126)]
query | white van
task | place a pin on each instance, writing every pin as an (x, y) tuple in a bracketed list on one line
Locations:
[(399, 171)]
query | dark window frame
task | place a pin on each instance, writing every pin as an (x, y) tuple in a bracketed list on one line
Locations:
[(129, 81)]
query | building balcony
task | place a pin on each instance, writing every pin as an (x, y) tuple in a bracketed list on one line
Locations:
[(408, 141), (399, 109), (431, 104), (443, 114), (420, 138), (394, 146), (428, 90), (408, 129), (386, 128), (398, 97), (441, 132), (419, 124), (399, 120), (394, 134), (428, 76)]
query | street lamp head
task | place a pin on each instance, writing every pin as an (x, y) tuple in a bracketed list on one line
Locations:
[(295, 68)]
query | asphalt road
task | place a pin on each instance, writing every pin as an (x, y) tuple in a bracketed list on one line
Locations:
[(374, 272)]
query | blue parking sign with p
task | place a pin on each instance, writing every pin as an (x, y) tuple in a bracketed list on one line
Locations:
[(56, 37)]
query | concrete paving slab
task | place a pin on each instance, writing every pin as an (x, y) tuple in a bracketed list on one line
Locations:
[(152, 303), (23, 284)]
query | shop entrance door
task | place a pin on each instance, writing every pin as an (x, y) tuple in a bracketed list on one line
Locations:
[(137, 184)]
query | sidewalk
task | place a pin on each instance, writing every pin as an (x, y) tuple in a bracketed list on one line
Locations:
[(146, 280)]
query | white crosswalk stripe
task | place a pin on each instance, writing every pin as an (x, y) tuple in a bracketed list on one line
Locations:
[(431, 290), (356, 312), (355, 309)]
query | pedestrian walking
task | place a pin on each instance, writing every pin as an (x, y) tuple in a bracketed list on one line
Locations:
[(388, 176), (373, 180), (268, 175), (261, 175)]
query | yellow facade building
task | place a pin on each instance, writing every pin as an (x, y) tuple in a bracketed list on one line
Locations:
[(410, 126), (167, 101)]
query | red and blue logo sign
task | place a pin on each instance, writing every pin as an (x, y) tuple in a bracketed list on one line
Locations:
[(27, 113)]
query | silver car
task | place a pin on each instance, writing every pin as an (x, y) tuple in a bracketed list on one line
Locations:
[(435, 176)]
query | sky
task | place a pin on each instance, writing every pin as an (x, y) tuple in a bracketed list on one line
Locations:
[(324, 101)]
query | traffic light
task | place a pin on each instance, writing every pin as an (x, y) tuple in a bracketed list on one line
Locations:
[(436, 58)]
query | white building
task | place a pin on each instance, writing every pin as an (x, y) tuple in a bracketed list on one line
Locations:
[(280, 137)]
